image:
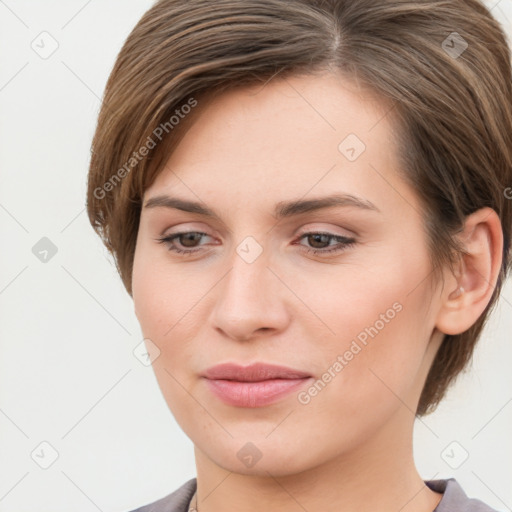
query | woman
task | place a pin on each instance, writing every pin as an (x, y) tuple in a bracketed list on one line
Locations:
[(307, 202)]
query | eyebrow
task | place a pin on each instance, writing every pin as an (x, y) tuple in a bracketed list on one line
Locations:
[(282, 209)]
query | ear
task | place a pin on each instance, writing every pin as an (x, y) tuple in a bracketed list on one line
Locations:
[(466, 295)]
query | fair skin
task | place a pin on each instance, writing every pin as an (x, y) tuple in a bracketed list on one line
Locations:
[(350, 447)]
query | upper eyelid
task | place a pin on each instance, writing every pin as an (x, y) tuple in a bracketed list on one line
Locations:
[(326, 215), (297, 238), (314, 228), (301, 232)]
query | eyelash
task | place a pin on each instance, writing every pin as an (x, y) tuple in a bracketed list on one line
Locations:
[(344, 242)]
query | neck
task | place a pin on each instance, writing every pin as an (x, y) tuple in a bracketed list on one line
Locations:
[(379, 475)]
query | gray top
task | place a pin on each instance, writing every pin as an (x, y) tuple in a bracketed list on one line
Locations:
[(454, 499)]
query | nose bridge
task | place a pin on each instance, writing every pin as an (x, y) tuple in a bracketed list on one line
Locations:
[(249, 298), (249, 278)]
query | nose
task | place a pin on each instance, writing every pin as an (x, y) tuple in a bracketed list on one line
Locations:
[(251, 300)]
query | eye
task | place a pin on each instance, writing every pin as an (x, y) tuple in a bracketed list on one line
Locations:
[(317, 239), (189, 239), (185, 238)]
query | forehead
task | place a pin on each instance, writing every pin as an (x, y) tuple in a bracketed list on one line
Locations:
[(287, 138)]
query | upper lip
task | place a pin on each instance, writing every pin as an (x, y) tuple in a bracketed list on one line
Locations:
[(253, 373)]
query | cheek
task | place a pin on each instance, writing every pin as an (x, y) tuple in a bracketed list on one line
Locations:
[(367, 311), (376, 330), (168, 301), (161, 302), (163, 294)]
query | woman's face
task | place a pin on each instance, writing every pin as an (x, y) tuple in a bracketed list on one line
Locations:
[(357, 315)]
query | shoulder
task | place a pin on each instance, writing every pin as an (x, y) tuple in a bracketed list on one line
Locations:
[(455, 499), (177, 501)]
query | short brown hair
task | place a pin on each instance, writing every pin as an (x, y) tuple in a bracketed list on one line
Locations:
[(444, 65)]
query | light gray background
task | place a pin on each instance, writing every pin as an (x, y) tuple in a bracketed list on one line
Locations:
[(68, 376)]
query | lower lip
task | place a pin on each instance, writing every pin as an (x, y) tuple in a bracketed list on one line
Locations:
[(254, 394)]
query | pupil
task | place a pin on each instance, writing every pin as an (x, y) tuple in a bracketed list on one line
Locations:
[(189, 237), (317, 238)]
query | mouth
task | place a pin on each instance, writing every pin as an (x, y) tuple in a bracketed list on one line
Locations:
[(253, 386)]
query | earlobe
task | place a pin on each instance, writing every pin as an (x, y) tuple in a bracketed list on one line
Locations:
[(467, 295)]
